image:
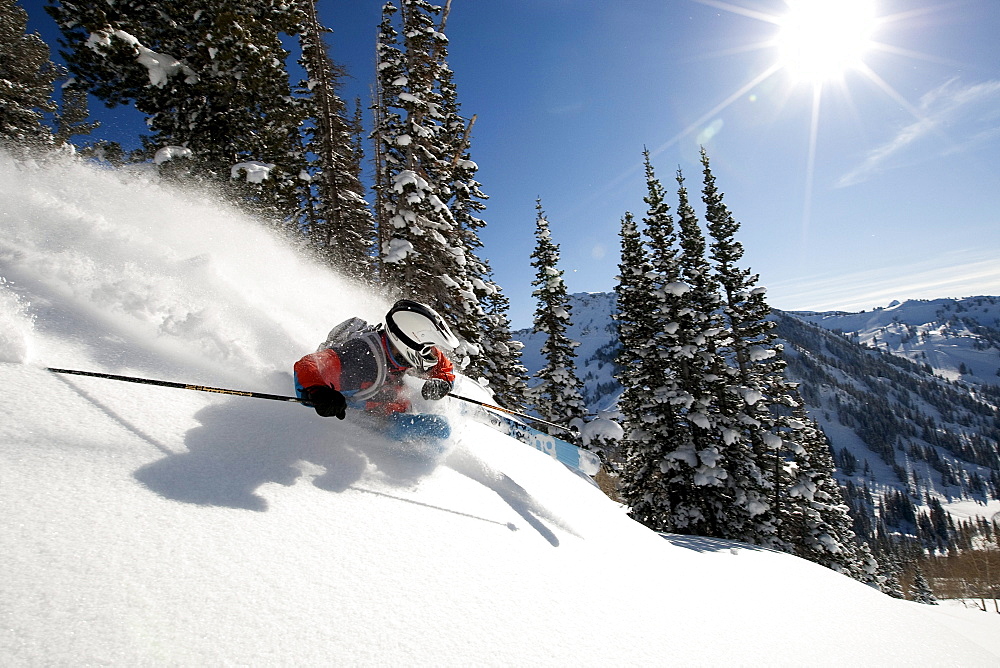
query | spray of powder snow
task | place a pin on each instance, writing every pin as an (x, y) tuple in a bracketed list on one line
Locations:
[(15, 326), (155, 274)]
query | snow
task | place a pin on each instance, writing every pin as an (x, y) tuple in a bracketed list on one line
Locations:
[(256, 171), (168, 153), (153, 526), (397, 250), (160, 67), (937, 332), (15, 326), (603, 427)]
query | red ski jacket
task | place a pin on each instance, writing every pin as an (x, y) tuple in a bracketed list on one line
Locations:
[(364, 371)]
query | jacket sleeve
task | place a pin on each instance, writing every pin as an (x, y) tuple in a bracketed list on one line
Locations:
[(319, 368), (443, 369)]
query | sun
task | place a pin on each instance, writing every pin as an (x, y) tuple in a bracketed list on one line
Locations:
[(820, 40)]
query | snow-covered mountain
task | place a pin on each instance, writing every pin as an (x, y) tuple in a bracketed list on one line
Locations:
[(959, 339), (908, 396), (593, 328), (154, 526)]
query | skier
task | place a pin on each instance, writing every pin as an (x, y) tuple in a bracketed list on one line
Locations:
[(364, 365)]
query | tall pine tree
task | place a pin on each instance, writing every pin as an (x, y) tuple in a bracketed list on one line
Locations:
[(339, 224), (415, 222), (26, 80), (427, 198), (557, 395), (674, 472), (209, 76), (637, 323), (755, 390)]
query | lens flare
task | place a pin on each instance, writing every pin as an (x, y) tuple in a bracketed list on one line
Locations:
[(822, 39)]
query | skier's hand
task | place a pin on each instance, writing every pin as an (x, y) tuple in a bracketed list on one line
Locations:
[(435, 389), (327, 401)]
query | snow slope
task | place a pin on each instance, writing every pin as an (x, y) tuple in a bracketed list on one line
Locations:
[(958, 338), (154, 526)]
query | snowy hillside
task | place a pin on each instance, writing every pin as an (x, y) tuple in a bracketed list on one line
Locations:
[(958, 338), (154, 526)]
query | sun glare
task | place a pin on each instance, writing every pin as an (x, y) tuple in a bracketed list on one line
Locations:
[(820, 40)]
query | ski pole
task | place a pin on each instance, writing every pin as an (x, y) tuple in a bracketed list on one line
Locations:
[(182, 386), (507, 410)]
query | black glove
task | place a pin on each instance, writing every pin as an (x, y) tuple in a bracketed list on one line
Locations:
[(327, 401), (435, 389)]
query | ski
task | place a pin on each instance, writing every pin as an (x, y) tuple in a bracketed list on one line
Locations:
[(578, 459)]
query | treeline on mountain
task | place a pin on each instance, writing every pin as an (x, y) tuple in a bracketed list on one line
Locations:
[(902, 413)]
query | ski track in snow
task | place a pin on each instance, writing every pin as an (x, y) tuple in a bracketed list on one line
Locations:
[(154, 526)]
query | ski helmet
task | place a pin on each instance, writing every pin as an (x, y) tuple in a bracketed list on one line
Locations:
[(414, 329)]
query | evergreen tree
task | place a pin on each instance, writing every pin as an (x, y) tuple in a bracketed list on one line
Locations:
[(557, 396), (500, 363), (390, 76), (71, 119), (890, 570), (920, 590), (340, 226), (756, 393), (815, 519), (635, 319), (700, 371), (636, 324), (676, 479), (471, 274), (26, 80), (210, 77), (418, 220), (427, 197)]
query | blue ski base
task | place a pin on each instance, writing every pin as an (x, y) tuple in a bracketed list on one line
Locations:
[(406, 427)]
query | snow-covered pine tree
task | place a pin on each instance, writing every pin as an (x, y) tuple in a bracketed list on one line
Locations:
[(673, 474), (653, 424), (557, 395), (424, 249), (466, 203), (920, 589), (390, 77), (815, 518), (417, 219), (890, 571), (340, 227), (636, 324), (210, 77), (26, 79), (635, 320), (756, 396), (699, 367), (500, 363)]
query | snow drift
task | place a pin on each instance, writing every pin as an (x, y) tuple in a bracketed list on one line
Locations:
[(152, 526)]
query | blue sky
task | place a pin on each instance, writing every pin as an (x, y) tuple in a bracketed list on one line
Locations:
[(879, 182)]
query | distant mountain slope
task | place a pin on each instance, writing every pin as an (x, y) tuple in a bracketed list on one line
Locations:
[(958, 338), (593, 327), (908, 396)]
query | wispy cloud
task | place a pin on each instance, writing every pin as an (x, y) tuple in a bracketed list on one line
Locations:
[(957, 274), (969, 111)]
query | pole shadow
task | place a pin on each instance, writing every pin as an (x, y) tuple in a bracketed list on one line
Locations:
[(519, 499)]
